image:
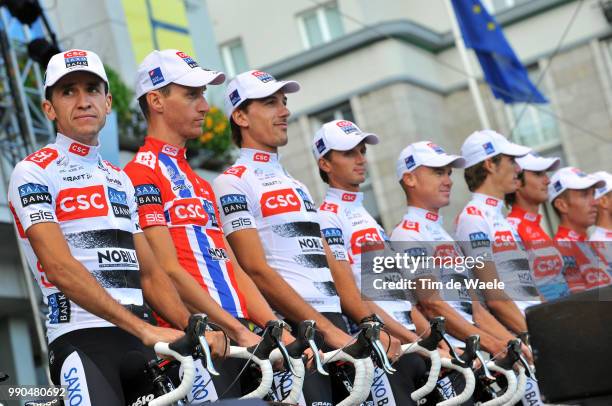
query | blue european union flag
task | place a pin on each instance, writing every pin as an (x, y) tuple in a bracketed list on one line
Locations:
[(503, 71)]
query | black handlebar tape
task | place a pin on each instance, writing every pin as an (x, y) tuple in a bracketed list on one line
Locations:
[(472, 346), (514, 351), (186, 344), (3, 377), (272, 334), (435, 336)]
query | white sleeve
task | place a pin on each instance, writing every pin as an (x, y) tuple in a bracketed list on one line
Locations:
[(474, 235), (334, 235), (236, 207), (32, 195)]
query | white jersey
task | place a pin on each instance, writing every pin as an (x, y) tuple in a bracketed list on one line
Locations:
[(422, 230), (601, 234), (346, 226), (93, 202), (483, 231), (257, 193)]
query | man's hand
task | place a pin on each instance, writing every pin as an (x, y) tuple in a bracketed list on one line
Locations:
[(246, 338), (219, 345), (392, 345), (153, 334)]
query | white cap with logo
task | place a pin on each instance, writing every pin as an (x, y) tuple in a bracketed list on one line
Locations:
[(536, 163), (425, 153), (484, 144), (607, 187), (339, 135), (161, 68), (571, 178), (254, 84), (74, 60)]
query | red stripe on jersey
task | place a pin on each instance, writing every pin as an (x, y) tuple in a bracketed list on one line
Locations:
[(185, 254), (217, 237)]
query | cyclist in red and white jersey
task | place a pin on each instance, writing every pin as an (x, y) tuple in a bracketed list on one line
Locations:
[(178, 210), (77, 222), (571, 193), (423, 170), (601, 237), (271, 221), (483, 231), (339, 148), (603, 197), (545, 259)]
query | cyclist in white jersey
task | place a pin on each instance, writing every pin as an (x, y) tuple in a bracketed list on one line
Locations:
[(339, 147), (423, 170), (545, 259), (483, 231), (77, 222), (603, 198), (270, 219)]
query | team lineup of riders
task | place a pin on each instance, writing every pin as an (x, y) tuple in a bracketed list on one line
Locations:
[(124, 257)]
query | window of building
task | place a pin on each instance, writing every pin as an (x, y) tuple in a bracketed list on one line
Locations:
[(343, 111), (535, 125), (320, 25), (234, 58)]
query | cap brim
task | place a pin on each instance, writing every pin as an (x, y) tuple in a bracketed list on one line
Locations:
[(585, 183), (265, 91), (513, 149), (439, 161), (541, 164), (76, 69), (200, 77), (351, 141)]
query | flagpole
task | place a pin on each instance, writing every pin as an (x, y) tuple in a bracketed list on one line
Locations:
[(482, 114)]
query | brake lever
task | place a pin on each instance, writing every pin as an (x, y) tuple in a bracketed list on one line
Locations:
[(450, 347), (485, 368), (372, 334), (528, 370), (3, 377), (276, 333), (309, 336), (200, 329)]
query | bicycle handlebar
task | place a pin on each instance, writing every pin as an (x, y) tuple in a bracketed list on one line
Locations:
[(260, 355), (305, 338), (520, 386), (470, 383), (358, 354), (429, 348), (188, 376), (511, 388)]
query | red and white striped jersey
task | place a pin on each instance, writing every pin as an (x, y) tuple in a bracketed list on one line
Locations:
[(169, 193)]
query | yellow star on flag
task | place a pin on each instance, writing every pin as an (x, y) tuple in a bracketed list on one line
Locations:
[(476, 9), (490, 25)]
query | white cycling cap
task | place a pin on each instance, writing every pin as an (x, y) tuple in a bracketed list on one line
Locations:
[(339, 135), (425, 153)]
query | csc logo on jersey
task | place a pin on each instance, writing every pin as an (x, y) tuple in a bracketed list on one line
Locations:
[(595, 277), (188, 211), (79, 203), (547, 265), (362, 237), (504, 241), (445, 251), (279, 201)]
